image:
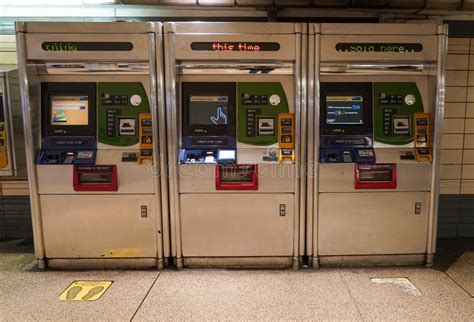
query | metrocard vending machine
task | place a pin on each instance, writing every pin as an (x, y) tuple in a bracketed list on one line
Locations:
[(377, 110), (8, 83), (90, 103), (234, 97)]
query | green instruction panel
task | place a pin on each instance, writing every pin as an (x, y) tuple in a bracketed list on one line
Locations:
[(119, 107), (257, 112), (394, 105)]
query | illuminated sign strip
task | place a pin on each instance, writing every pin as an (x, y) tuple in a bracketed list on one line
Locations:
[(379, 47), (235, 46), (72, 46)]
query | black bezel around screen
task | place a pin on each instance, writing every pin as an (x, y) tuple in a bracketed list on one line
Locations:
[(346, 89), (208, 89), (68, 89)]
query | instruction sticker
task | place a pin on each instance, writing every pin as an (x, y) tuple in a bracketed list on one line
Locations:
[(404, 283), (85, 290)]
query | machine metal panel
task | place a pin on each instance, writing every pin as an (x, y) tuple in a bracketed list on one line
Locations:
[(34, 42), (411, 176), (200, 178), (372, 223), (329, 52), (286, 52), (131, 177), (237, 225), (116, 230)]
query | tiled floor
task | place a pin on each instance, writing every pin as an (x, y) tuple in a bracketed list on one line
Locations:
[(26, 294)]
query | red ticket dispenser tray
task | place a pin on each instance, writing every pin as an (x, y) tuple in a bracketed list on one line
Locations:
[(236, 177), (375, 176), (95, 178)]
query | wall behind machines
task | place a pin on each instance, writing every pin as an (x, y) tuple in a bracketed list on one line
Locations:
[(15, 216), (456, 212)]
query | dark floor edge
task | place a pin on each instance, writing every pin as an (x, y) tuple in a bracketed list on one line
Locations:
[(144, 298)]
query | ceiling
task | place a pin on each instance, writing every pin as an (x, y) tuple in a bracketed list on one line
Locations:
[(409, 5)]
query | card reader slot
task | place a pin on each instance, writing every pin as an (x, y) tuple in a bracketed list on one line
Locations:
[(375, 176), (236, 177), (94, 178)]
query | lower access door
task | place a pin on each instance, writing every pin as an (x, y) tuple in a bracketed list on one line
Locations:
[(373, 223), (99, 226), (230, 224)]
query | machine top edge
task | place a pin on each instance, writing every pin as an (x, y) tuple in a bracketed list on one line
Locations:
[(198, 27), (119, 27), (377, 29)]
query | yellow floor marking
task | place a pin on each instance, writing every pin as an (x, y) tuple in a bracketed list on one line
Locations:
[(85, 290)]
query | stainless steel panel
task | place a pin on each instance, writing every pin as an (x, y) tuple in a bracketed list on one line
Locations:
[(237, 225), (172, 144), (437, 139), (29, 81), (100, 226), (340, 177), (132, 177), (160, 148), (200, 178), (372, 223), (239, 262)]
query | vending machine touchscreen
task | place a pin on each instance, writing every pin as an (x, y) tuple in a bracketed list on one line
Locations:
[(346, 123), (208, 126), (68, 123)]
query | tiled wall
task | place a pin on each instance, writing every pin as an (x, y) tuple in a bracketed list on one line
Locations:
[(15, 217), (456, 213), (7, 50)]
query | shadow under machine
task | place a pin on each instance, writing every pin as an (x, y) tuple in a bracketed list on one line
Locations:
[(379, 112), (234, 98), (91, 109)]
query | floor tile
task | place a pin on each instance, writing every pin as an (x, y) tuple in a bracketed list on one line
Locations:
[(249, 295), (440, 299), (34, 295), (463, 272)]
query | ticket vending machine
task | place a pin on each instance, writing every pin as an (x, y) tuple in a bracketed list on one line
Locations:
[(235, 104), (8, 83), (377, 100), (91, 99)]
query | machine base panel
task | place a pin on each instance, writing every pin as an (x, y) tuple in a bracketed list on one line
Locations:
[(238, 262), (372, 260), (109, 263)]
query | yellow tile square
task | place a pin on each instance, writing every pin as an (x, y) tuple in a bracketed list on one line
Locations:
[(85, 290)]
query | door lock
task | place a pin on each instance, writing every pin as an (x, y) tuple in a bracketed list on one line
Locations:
[(282, 210), (144, 211), (417, 208)]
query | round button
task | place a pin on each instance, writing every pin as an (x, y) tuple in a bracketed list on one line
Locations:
[(135, 100), (274, 100), (410, 99)]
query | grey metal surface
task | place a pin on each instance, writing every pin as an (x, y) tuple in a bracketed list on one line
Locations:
[(38, 235), (438, 136)]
